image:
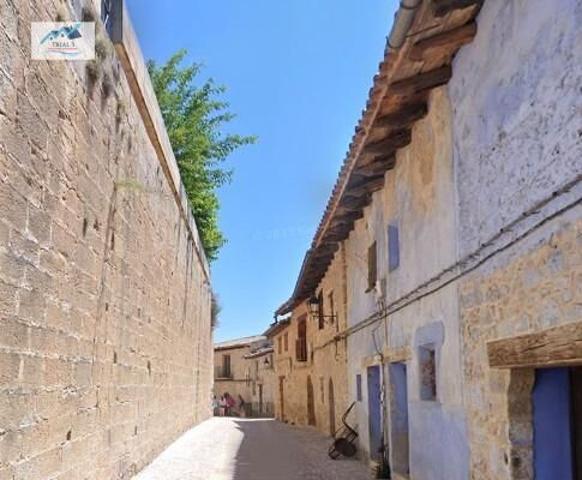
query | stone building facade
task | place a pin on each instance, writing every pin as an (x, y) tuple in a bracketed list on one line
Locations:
[(458, 212), (105, 335), (310, 363), (244, 367), (518, 170)]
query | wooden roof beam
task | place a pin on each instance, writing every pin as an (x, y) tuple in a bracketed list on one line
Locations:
[(336, 236), (350, 216), (388, 145), (402, 117), (422, 81), (444, 7), (337, 225), (326, 248), (377, 166), (447, 42)]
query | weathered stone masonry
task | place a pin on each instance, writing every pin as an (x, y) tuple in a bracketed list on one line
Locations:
[(105, 336)]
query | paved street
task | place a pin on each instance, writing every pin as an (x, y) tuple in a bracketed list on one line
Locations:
[(251, 449)]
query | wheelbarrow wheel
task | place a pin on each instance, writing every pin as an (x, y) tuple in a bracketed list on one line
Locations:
[(345, 447), (333, 453)]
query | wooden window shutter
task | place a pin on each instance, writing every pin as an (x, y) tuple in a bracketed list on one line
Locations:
[(321, 319), (372, 266)]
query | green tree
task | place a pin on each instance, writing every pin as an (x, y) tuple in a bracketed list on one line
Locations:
[(195, 117)]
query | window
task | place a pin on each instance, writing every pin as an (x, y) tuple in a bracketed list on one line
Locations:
[(427, 368), (393, 248), (322, 389), (372, 267), (286, 341), (320, 311), (106, 9), (301, 343), (226, 373), (279, 345), (358, 387), (331, 306)]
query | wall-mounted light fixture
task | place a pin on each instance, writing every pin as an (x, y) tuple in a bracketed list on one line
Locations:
[(316, 308)]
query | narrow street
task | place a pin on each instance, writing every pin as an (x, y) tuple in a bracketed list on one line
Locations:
[(251, 449)]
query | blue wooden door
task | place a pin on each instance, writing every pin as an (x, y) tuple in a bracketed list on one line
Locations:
[(552, 408), (374, 412), (399, 439)]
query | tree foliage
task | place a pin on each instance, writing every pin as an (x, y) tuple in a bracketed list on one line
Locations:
[(195, 117)]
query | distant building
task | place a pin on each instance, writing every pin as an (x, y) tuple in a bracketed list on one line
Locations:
[(244, 367)]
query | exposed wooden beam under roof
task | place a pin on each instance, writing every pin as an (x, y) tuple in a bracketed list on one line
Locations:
[(405, 115), (443, 42), (389, 144), (444, 7), (422, 81)]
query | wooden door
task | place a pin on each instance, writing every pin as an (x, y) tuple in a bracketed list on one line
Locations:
[(331, 408), (282, 397), (551, 397), (399, 438), (310, 403), (374, 412), (576, 385)]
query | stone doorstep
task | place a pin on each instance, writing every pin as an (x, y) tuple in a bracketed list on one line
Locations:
[(373, 465), (398, 476)]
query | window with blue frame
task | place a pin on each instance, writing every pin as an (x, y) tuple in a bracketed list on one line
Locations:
[(393, 247)]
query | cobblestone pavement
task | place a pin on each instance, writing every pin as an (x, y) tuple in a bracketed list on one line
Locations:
[(251, 449)]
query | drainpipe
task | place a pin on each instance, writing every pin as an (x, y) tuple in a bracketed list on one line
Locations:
[(402, 23)]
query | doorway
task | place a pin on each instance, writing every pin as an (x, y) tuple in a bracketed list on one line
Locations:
[(282, 398), (260, 400), (310, 403), (374, 412), (557, 423), (331, 408), (399, 435)]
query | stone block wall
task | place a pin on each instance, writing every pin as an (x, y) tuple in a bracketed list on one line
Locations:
[(517, 134), (528, 289), (105, 336)]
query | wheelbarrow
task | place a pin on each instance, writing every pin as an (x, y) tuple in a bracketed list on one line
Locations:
[(344, 439)]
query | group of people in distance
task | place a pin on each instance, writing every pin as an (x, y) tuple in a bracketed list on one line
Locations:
[(226, 406)]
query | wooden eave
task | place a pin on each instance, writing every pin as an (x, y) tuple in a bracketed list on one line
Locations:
[(232, 347), (397, 99)]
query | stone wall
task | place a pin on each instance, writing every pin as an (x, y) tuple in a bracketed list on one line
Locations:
[(515, 91), (517, 136), (105, 343), (531, 287)]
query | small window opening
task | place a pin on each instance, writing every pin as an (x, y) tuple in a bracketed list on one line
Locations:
[(428, 379)]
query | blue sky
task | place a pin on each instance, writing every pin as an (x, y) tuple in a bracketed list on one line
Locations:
[(298, 74)]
